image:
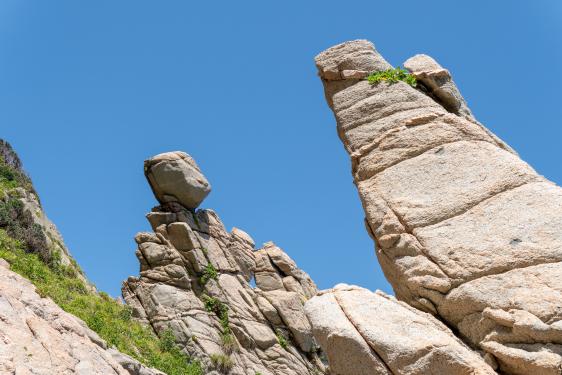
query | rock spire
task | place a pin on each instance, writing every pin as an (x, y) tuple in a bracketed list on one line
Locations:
[(464, 229)]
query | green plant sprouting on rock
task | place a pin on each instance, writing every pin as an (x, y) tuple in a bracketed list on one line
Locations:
[(392, 75), (228, 341), (281, 339), (221, 362), (104, 315), (210, 272)]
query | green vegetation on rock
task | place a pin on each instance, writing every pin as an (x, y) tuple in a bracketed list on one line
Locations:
[(11, 178), (104, 315), (392, 75), (210, 272), (281, 339), (221, 362)]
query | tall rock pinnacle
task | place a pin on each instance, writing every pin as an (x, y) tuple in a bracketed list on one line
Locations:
[(464, 229), (175, 177), (195, 280)]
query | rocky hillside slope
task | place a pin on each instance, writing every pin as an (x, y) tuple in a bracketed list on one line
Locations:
[(467, 233), (43, 295), (196, 280)]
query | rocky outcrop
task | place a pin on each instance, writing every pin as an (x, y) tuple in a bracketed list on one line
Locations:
[(196, 277), (464, 229), (373, 333), (38, 337)]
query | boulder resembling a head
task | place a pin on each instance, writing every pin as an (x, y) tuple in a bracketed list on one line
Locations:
[(175, 177)]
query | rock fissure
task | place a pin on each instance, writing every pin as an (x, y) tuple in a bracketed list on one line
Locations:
[(493, 194), (374, 348)]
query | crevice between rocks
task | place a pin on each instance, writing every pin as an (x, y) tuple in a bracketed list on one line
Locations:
[(374, 351)]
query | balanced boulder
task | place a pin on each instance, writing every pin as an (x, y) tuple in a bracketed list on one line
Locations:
[(175, 177)]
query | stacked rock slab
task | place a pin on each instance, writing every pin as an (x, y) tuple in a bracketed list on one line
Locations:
[(195, 279), (463, 228), (38, 337), (373, 333)]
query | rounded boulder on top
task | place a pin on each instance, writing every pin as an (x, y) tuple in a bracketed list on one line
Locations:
[(175, 177)]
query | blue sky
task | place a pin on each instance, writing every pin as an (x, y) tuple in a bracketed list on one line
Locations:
[(88, 90)]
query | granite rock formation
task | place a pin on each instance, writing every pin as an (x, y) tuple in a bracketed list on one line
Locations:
[(373, 333), (195, 279), (38, 337), (464, 229)]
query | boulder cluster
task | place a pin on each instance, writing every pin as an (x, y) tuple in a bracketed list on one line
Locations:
[(469, 235), (196, 280)]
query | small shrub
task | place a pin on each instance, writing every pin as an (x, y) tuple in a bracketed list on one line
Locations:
[(221, 362), (214, 305), (281, 339), (210, 272), (167, 340), (228, 343), (392, 76), (21, 227)]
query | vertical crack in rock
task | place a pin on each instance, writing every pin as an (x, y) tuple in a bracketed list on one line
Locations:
[(464, 228), (195, 280)]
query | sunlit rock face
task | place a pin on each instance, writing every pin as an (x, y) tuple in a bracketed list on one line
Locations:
[(373, 333), (38, 337), (196, 279), (464, 229)]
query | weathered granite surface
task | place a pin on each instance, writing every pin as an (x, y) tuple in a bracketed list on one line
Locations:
[(38, 337), (464, 229), (373, 333), (196, 279)]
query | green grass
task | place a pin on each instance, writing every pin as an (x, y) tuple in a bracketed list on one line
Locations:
[(110, 319), (392, 76)]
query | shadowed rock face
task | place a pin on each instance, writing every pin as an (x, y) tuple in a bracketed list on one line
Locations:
[(195, 279), (464, 229)]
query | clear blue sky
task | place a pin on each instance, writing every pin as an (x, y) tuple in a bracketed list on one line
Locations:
[(89, 89)]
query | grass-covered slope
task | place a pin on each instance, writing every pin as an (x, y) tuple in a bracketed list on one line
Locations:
[(104, 315)]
